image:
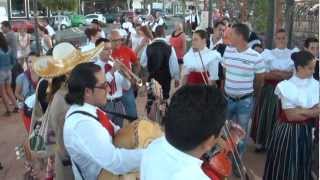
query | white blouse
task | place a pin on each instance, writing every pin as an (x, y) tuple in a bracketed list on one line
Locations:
[(278, 59), (210, 58), (297, 92)]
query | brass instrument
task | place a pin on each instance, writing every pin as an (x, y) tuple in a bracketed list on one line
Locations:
[(127, 71)]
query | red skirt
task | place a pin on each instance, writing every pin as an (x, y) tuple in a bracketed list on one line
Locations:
[(196, 78), (26, 120)]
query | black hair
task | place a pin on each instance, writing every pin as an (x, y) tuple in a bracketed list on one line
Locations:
[(281, 31), (81, 77), (32, 53), (201, 33), (301, 58), (219, 23), (257, 45), (43, 29), (55, 85), (6, 24), (159, 32), (101, 40), (90, 32), (194, 114), (95, 21), (310, 40), (243, 30), (3, 43)]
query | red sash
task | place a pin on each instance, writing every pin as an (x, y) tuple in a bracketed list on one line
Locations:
[(104, 120), (195, 78)]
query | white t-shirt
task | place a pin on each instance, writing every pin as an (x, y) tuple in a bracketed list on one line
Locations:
[(50, 30)]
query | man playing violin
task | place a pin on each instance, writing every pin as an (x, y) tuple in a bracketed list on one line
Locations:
[(192, 125)]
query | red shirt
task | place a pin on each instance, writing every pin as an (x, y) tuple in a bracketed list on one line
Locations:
[(177, 42), (126, 55)]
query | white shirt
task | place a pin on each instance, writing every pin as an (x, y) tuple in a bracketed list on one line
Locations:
[(90, 146), (278, 59), (50, 30), (173, 61), (162, 161), (88, 47), (213, 45), (102, 34), (210, 59), (297, 92), (159, 22), (192, 18), (121, 82)]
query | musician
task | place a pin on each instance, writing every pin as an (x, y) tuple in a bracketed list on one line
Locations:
[(116, 80), (88, 132), (130, 59), (200, 64), (192, 123), (289, 153), (161, 61)]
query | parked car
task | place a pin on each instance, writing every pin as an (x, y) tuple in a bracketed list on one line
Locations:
[(61, 22), (77, 20), (17, 24), (99, 17)]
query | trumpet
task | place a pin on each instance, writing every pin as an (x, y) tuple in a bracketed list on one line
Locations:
[(127, 72)]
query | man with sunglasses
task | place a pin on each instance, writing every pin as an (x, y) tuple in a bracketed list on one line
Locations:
[(88, 132), (129, 58)]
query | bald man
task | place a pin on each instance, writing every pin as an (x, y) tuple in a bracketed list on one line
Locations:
[(129, 58)]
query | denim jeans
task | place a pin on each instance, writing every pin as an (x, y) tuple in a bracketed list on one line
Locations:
[(129, 102), (240, 113)]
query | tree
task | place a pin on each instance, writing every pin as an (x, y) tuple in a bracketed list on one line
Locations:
[(61, 5), (270, 24), (289, 19)]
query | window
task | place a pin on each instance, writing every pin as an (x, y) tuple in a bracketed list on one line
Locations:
[(18, 8)]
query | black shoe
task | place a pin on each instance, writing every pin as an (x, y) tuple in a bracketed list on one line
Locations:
[(1, 167), (15, 110)]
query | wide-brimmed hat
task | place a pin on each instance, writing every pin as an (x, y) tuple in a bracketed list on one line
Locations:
[(64, 58)]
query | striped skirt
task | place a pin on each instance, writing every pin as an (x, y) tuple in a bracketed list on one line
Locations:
[(265, 116), (289, 152), (116, 107)]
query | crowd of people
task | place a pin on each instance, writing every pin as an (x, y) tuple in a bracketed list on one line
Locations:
[(74, 101)]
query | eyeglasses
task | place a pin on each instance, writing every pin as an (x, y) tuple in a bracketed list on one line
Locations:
[(103, 86)]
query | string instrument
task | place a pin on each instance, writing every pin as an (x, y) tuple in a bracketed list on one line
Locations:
[(217, 162), (127, 72)]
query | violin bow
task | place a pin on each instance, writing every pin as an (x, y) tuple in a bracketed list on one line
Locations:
[(235, 153), (205, 75)]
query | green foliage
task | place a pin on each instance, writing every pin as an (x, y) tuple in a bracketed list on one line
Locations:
[(260, 15), (60, 5)]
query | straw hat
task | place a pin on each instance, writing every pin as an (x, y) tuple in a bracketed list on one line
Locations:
[(64, 58)]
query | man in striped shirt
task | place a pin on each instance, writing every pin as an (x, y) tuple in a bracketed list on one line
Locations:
[(243, 69)]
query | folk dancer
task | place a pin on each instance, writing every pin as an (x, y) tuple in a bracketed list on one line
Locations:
[(200, 64), (289, 152)]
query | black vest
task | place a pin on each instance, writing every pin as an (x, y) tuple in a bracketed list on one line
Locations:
[(158, 54)]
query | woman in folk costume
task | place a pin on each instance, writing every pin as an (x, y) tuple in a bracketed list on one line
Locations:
[(279, 66), (116, 81), (56, 68), (289, 151), (200, 64)]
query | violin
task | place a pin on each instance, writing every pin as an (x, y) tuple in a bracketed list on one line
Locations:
[(217, 162)]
